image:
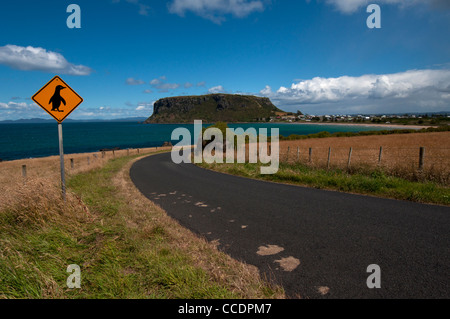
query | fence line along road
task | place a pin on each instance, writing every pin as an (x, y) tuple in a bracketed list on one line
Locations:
[(78, 161), (419, 157)]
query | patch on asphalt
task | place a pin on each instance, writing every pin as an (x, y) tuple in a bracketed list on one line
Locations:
[(289, 263), (323, 290), (201, 204), (269, 250)]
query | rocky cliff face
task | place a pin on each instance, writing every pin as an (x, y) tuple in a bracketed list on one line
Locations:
[(212, 108)]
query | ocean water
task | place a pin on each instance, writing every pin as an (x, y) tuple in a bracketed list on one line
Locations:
[(19, 141)]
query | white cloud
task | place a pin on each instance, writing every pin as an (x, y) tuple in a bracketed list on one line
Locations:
[(350, 6), (266, 91), (14, 106), (405, 89), (16, 110), (38, 59), (145, 106), (155, 82), (217, 89), (161, 84), (165, 87), (215, 10), (132, 81)]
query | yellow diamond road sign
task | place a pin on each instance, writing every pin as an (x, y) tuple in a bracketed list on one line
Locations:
[(57, 99)]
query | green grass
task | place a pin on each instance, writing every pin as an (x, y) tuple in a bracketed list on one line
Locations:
[(370, 182), (43, 235)]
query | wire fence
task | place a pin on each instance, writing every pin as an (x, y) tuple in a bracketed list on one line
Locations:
[(432, 163), (48, 167)]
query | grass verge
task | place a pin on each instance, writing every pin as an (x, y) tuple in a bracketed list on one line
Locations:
[(361, 181), (126, 246)]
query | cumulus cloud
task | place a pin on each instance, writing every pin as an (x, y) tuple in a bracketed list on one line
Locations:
[(39, 59), (215, 10), (216, 89), (404, 88), (266, 91)]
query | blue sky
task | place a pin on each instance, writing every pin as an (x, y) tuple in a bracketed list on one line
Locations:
[(317, 56)]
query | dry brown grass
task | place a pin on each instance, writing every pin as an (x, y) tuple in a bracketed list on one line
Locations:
[(400, 155), (28, 208), (46, 171)]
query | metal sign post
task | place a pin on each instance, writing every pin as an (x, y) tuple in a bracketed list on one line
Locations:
[(61, 158)]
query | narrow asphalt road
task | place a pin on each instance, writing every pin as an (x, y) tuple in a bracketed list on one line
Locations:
[(315, 243)]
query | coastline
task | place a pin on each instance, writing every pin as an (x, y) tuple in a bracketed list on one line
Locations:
[(399, 126)]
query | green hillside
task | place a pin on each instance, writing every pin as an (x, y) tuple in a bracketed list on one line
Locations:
[(212, 108)]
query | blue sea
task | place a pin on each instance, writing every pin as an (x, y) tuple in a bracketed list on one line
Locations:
[(19, 141)]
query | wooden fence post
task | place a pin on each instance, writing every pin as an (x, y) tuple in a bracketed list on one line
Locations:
[(298, 154), (421, 157), (89, 160), (329, 156), (24, 172), (71, 163), (380, 155), (310, 154), (349, 158), (287, 155)]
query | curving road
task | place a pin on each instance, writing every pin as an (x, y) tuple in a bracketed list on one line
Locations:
[(315, 243)]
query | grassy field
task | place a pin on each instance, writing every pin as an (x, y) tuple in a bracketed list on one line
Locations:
[(126, 246), (397, 176), (399, 157)]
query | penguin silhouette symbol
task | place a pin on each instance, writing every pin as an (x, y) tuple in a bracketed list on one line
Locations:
[(56, 99)]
